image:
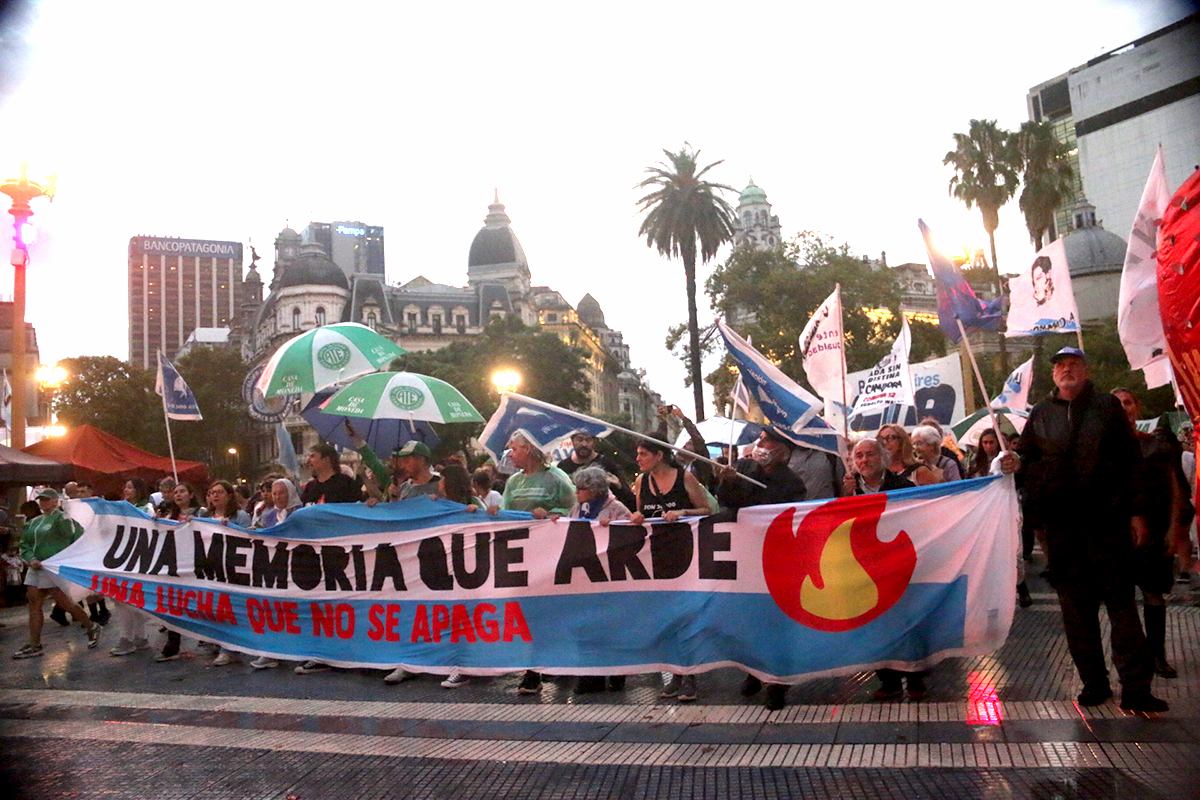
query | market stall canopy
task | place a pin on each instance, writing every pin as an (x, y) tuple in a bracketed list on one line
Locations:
[(19, 467), (107, 462)]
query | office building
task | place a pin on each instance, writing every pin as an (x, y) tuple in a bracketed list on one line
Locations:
[(176, 286), (354, 246)]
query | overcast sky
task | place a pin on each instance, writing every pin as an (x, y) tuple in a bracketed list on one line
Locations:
[(229, 120)]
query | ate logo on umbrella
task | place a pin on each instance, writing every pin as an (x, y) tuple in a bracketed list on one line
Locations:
[(334, 356), (406, 397), (834, 574)]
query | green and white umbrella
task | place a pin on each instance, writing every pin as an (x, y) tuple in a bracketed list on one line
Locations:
[(324, 356), (968, 429), (402, 395)]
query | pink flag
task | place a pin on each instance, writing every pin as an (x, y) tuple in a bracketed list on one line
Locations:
[(1138, 320)]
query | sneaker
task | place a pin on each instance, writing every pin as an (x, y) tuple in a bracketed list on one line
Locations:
[(687, 689), (398, 675), (1094, 695), (29, 651), (751, 686), (455, 680), (776, 696), (916, 688), (1143, 701), (211, 647), (531, 683), (671, 687), (124, 647), (262, 662), (309, 667), (166, 656), (93, 635), (223, 658), (616, 683), (141, 644)]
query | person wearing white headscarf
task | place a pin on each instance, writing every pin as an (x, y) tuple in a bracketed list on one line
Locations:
[(284, 500)]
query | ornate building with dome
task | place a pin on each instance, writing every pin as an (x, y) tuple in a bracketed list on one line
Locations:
[(308, 289)]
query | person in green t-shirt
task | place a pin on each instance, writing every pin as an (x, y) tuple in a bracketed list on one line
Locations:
[(45, 536)]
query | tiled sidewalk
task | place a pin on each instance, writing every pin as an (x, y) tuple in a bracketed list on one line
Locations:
[(84, 723)]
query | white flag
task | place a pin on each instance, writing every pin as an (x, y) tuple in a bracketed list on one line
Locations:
[(6, 402), (889, 381), (740, 396), (1041, 300), (822, 348), (1138, 319), (1015, 394)]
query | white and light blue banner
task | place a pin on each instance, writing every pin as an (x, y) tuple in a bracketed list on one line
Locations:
[(787, 592), (543, 424)]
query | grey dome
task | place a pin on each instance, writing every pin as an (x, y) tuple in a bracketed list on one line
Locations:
[(590, 312), (496, 243), (313, 269), (1093, 250)]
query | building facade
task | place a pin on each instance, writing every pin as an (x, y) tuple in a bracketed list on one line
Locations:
[(1114, 111), (176, 286)]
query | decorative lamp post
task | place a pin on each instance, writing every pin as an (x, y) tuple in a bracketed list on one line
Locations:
[(21, 191), (50, 378)]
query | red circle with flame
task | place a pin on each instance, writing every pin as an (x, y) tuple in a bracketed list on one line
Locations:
[(833, 574)]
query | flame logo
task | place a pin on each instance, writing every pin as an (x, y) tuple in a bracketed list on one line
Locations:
[(833, 574)]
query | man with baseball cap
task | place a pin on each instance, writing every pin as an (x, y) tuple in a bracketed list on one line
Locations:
[(46, 535), (1084, 493), (414, 460)]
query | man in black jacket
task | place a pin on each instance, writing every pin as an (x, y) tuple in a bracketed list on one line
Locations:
[(1084, 492), (768, 465)]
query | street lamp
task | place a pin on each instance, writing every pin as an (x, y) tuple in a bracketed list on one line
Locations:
[(49, 378), (506, 380), (237, 461), (21, 191)]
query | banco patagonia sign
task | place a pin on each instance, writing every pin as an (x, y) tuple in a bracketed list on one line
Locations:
[(156, 246)]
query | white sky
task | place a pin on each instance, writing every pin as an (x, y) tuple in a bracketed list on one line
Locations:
[(228, 122)]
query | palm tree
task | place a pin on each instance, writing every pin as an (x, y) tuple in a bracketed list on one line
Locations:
[(685, 214), (1048, 179), (986, 166)]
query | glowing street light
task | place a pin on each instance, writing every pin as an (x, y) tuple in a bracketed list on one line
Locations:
[(21, 190), (51, 377), (506, 380), (53, 430)]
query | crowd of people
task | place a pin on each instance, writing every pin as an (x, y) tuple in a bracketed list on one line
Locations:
[(1110, 506)]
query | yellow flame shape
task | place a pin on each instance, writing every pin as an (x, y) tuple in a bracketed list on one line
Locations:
[(849, 591)]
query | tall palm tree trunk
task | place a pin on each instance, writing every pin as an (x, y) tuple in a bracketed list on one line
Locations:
[(689, 271), (999, 293)]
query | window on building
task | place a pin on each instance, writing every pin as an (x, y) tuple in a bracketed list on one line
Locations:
[(295, 319), (372, 320), (437, 324), (412, 322), (551, 317), (460, 323), (320, 316)]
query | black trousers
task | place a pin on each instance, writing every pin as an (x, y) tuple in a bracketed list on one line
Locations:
[(1080, 602)]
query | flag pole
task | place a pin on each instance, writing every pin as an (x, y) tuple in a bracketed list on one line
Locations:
[(983, 390), (170, 444), (636, 435)]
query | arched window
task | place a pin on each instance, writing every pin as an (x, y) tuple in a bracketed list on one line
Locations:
[(371, 320), (295, 319), (320, 316)]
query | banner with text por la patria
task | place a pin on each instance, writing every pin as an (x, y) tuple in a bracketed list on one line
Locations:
[(787, 592)]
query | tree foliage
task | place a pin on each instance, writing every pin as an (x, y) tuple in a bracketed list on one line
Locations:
[(1048, 179), (115, 396), (685, 217), (550, 370), (769, 296), (215, 376)]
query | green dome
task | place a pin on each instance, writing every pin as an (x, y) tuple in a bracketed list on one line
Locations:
[(752, 194)]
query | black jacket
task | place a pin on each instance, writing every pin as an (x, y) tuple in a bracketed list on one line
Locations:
[(783, 486), (1080, 457), (891, 482)]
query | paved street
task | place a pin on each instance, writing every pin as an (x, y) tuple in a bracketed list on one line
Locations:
[(79, 723)]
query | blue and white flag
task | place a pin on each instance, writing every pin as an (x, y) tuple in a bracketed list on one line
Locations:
[(1015, 394), (955, 298), (900, 580), (287, 451), (544, 424), (178, 399), (787, 405)]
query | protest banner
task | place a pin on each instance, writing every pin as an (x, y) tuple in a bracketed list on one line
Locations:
[(786, 592)]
